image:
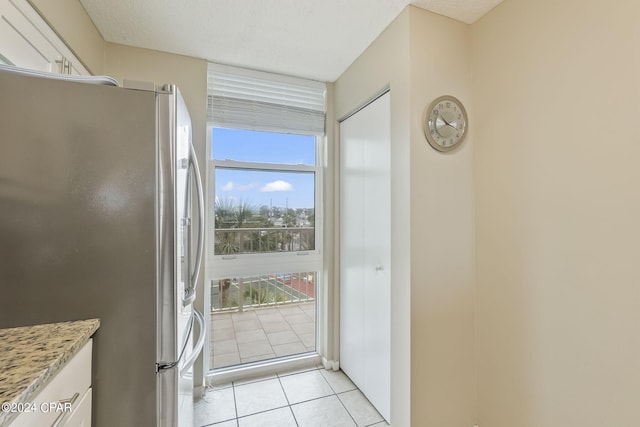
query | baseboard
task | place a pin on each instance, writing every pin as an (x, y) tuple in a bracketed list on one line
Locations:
[(332, 365)]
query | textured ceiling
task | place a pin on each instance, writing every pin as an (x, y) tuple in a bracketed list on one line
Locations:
[(315, 39)]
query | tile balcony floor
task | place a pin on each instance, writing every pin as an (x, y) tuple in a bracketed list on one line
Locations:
[(262, 333), (311, 398)]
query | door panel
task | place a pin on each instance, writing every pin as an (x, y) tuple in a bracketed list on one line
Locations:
[(365, 224), (352, 252)]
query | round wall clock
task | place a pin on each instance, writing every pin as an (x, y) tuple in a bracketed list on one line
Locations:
[(445, 123)]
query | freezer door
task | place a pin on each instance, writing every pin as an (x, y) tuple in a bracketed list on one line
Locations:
[(178, 262), (174, 227)]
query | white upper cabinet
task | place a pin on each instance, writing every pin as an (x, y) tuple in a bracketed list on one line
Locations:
[(27, 41)]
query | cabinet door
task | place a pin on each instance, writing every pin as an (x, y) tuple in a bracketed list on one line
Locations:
[(69, 385), (28, 42), (365, 258), (81, 416)]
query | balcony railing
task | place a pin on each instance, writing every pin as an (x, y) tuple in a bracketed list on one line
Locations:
[(238, 294), (261, 240)]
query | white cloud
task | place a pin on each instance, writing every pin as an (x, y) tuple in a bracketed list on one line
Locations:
[(277, 186), (234, 186)]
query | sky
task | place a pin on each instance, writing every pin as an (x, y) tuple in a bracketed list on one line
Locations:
[(270, 188)]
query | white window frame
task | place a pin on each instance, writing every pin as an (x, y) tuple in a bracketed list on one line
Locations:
[(251, 264), (304, 110)]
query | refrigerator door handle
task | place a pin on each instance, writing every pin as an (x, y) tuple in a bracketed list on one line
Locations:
[(199, 344), (200, 196), (192, 272)]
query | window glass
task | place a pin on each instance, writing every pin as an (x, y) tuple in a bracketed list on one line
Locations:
[(263, 147), (261, 317), (259, 211)]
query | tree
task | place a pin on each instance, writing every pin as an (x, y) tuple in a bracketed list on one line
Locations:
[(243, 213), (224, 212), (228, 215)]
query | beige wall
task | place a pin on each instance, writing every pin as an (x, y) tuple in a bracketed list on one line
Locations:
[(556, 127), (433, 343), (69, 19), (442, 232)]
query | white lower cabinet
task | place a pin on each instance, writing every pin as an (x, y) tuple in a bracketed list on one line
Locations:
[(66, 400), (81, 416)]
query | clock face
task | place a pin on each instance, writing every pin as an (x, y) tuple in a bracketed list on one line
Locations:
[(445, 124)]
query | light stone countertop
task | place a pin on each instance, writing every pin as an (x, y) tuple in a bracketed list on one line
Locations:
[(30, 356)]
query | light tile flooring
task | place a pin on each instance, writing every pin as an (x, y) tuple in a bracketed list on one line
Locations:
[(312, 398), (263, 333)]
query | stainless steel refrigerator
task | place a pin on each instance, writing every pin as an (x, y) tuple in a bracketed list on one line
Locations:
[(101, 216)]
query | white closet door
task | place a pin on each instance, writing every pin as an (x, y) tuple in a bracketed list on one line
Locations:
[(365, 233), (352, 251)]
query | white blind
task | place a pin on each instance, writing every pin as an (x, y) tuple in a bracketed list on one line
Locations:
[(246, 99)]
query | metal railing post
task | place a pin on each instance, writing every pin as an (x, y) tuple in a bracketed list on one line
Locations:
[(241, 295)]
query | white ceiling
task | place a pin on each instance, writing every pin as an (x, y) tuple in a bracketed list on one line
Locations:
[(315, 39)]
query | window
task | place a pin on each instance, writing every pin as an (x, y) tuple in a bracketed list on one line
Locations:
[(264, 251), (265, 188)]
